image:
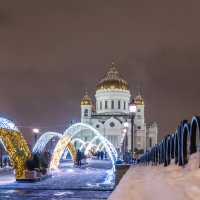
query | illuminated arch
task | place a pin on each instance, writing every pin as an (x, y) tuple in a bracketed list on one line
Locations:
[(91, 144), (78, 140), (15, 145), (72, 152), (99, 146), (43, 140), (93, 141), (72, 142), (69, 134)]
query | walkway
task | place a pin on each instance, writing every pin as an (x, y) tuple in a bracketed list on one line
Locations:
[(92, 181)]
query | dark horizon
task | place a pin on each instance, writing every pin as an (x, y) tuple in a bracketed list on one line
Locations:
[(50, 51)]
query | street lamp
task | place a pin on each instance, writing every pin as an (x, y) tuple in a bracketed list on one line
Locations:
[(132, 109), (36, 131), (125, 133)]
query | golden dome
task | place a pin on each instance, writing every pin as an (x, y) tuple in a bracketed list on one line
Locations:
[(139, 100), (113, 80), (86, 99)]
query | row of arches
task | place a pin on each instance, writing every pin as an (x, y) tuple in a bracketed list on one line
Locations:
[(18, 150), (66, 140), (178, 146)]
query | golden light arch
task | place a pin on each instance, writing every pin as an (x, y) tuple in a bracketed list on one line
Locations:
[(15, 145)]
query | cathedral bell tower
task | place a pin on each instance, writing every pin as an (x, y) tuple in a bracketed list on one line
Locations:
[(140, 126), (86, 109)]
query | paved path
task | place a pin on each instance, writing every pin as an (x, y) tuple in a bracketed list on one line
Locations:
[(92, 181)]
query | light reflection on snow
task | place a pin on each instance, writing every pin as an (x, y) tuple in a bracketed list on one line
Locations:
[(70, 170), (8, 181), (63, 193), (109, 178)]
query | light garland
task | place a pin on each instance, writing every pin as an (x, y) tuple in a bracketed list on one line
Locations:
[(7, 124), (72, 142), (17, 149), (73, 152), (44, 139), (15, 144), (58, 151)]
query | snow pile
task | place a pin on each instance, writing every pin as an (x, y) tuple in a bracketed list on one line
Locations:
[(143, 182)]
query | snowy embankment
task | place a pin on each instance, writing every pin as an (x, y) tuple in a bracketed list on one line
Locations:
[(143, 182)]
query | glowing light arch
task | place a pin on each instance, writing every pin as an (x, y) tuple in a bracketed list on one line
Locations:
[(15, 145), (92, 142), (69, 134), (72, 142), (99, 145), (44, 139)]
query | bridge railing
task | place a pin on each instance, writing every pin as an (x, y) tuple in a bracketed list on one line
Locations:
[(178, 146)]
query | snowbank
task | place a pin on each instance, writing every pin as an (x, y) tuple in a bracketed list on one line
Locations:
[(143, 182)]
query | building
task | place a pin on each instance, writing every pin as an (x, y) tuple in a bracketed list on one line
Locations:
[(112, 110)]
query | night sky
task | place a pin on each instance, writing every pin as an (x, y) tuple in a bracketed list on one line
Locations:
[(51, 50)]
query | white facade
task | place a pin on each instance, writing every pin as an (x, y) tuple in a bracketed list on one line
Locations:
[(112, 100)]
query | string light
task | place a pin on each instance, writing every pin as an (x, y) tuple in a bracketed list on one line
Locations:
[(15, 145), (44, 139)]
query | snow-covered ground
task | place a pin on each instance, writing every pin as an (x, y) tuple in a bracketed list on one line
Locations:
[(97, 174), (143, 182)]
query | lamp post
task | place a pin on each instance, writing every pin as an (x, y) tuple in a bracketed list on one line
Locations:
[(125, 138), (132, 109), (125, 130), (36, 131)]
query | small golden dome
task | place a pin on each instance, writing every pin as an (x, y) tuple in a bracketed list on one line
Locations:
[(86, 99), (139, 100), (113, 80)]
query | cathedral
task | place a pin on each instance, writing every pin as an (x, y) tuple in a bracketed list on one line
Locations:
[(112, 110)]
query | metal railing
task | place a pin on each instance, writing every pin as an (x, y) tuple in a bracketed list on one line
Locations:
[(178, 146)]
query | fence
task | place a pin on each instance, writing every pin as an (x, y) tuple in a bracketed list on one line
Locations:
[(178, 146)]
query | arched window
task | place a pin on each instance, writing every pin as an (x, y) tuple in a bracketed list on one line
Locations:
[(106, 104), (112, 104), (150, 142), (124, 105), (86, 113), (100, 105), (118, 104)]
